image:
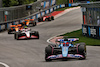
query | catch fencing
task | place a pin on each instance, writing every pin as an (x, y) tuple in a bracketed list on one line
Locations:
[(18, 14)]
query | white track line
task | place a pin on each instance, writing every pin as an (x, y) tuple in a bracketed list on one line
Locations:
[(4, 64)]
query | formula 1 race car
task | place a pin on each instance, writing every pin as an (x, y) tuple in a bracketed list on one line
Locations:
[(26, 33), (13, 28), (65, 49), (29, 22), (46, 18)]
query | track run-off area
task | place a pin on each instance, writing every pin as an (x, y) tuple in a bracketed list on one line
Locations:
[(31, 53)]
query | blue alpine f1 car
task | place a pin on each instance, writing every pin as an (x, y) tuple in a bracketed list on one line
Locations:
[(65, 49)]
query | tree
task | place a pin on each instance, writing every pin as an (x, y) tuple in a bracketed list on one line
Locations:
[(6, 3), (20, 2)]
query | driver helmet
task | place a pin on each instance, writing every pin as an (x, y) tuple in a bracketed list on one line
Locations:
[(25, 27)]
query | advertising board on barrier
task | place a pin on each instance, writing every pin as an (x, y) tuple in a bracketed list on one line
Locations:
[(9, 25), (91, 31), (94, 31), (3, 27), (85, 30), (75, 4), (47, 11), (47, 4), (51, 9), (53, 2), (63, 5)]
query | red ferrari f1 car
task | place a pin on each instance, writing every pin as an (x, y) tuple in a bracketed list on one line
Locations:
[(46, 18)]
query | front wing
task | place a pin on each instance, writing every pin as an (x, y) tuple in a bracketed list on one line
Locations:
[(68, 56), (25, 37)]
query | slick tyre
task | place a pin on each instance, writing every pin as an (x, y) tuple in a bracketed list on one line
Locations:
[(48, 51), (39, 19), (34, 24), (37, 34), (16, 36), (49, 19), (9, 31), (52, 17), (46, 19), (82, 50)]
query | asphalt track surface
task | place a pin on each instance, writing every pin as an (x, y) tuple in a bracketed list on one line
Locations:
[(30, 53)]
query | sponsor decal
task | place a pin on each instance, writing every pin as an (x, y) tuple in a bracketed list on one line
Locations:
[(65, 51), (76, 56), (55, 56)]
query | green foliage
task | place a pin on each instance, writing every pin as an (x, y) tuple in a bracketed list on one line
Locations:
[(8, 3), (87, 40), (13, 2), (61, 1)]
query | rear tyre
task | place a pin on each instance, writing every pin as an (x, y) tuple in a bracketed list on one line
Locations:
[(9, 31), (82, 50), (16, 36), (49, 19), (46, 19), (34, 24), (52, 17), (39, 19), (37, 34)]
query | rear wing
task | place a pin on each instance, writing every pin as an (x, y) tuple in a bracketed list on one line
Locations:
[(19, 25), (29, 20), (68, 39)]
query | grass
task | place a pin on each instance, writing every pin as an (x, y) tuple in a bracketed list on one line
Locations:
[(62, 9), (87, 40)]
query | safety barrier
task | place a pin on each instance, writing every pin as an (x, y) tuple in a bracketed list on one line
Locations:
[(35, 16), (91, 31), (91, 19)]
